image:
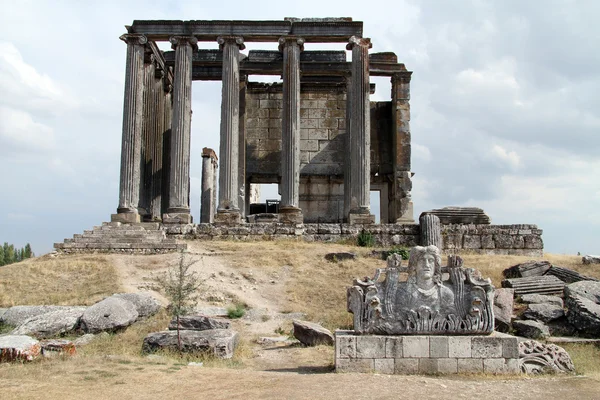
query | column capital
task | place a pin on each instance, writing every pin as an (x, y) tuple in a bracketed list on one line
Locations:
[(291, 40), (356, 41), (237, 40), (184, 40), (134, 38), (401, 77)]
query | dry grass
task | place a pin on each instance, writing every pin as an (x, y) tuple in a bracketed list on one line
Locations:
[(586, 358), (65, 280)]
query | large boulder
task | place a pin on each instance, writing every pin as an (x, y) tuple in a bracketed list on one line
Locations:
[(590, 259), (219, 342), (541, 298), (544, 312), (531, 329), (16, 315), (503, 308), (110, 314), (311, 334), (582, 300), (145, 304), (199, 323), (51, 324), (18, 347)]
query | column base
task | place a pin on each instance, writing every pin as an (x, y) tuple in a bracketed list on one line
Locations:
[(126, 218), (177, 218), (361, 219), (408, 216), (228, 217), (290, 215)]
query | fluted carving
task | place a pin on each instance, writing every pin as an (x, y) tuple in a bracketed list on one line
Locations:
[(230, 103), (290, 154), (359, 138), (431, 230), (129, 188), (179, 177)]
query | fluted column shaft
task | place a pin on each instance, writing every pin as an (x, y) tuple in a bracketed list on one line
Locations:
[(129, 187), (359, 129), (290, 149), (347, 146), (179, 177), (230, 109)]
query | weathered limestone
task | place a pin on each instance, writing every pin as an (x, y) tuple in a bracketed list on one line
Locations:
[(208, 206), (129, 187), (546, 284), (228, 209), (424, 304), (461, 215), (219, 342), (590, 259), (290, 154), (431, 234), (18, 348), (51, 324), (108, 315), (179, 177), (311, 334), (503, 308), (358, 135), (199, 323), (582, 300), (536, 357), (531, 329)]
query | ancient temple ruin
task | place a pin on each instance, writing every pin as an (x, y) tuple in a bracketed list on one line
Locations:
[(316, 134)]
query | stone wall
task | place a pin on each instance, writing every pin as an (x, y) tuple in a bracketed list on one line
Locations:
[(495, 354), (480, 239)]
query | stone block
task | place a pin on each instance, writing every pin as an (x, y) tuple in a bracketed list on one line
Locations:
[(447, 365), (472, 242), (370, 347), (406, 366), (510, 347), (309, 123), (500, 366), (393, 347), (354, 365), (126, 218), (486, 347), (470, 365), (318, 134), (177, 218), (438, 347), (361, 219), (487, 242), (459, 346), (383, 366), (428, 366), (415, 346), (345, 346)]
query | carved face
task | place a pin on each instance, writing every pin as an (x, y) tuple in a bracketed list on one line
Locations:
[(426, 267)]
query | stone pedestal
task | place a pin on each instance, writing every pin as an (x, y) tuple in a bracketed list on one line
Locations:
[(361, 219), (408, 216), (177, 218), (493, 354), (126, 218), (290, 215), (129, 188), (228, 209), (208, 204), (179, 174), (228, 217)]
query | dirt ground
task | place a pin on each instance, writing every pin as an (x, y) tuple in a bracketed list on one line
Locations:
[(268, 371)]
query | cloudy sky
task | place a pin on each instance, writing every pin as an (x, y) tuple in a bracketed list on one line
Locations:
[(505, 107)]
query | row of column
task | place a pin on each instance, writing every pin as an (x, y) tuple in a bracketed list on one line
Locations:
[(357, 173)]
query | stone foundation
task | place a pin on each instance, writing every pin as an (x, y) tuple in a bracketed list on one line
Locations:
[(493, 354)]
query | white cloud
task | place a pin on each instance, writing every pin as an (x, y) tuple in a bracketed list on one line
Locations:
[(20, 133), (510, 158)]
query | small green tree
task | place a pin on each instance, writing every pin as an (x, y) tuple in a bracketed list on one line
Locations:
[(1, 256), (9, 253), (28, 252), (181, 288)]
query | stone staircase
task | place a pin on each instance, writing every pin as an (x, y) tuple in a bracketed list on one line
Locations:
[(117, 237)]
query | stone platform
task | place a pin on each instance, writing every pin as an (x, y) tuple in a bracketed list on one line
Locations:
[(493, 354)]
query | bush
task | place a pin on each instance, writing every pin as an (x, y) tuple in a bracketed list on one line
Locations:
[(365, 239), (402, 252), (236, 311)]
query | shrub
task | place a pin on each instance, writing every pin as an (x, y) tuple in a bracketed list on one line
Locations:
[(401, 251), (365, 239), (236, 311)]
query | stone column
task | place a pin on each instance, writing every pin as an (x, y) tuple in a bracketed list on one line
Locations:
[(228, 211), (290, 139), (402, 206), (359, 134), (129, 187), (179, 177), (430, 230), (207, 208)]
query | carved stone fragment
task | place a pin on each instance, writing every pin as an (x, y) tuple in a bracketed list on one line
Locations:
[(424, 303), (536, 357)]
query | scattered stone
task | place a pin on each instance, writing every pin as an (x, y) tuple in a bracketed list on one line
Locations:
[(343, 256), (109, 315), (274, 340), (530, 268), (57, 347), (540, 298), (561, 327), (543, 312), (567, 275), (18, 347), (199, 323), (559, 339), (311, 334), (460, 215), (582, 300), (535, 284), (16, 315), (145, 304), (195, 364), (590, 259), (503, 308), (219, 342), (531, 329), (536, 357), (51, 324), (2, 311)]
